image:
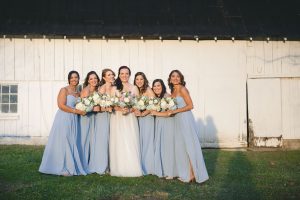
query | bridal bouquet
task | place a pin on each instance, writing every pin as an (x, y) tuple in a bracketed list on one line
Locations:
[(153, 104), (168, 103), (85, 104), (126, 100)]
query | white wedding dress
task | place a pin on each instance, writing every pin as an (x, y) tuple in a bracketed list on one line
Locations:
[(124, 148)]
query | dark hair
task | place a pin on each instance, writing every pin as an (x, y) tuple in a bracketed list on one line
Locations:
[(118, 81), (143, 89), (163, 86), (182, 82), (104, 71), (70, 74), (86, 80)]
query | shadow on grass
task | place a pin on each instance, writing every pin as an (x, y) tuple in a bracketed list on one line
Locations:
[(238, 182)]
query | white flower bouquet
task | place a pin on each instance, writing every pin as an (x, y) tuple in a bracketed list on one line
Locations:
[(85, 104), (106, 100), (168, 103), (140, 103), (153, 104)]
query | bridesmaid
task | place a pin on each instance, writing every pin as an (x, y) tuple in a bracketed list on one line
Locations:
[(61, 155), (164, 154), (90, 85), (188, 154), (99, 143), (146, 126)]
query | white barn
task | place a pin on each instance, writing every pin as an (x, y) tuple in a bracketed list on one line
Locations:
[(246, 92)]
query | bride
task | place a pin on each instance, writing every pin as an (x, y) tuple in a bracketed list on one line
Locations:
[(124, 152)]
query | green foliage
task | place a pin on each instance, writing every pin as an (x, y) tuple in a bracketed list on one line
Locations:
[(233, 175)]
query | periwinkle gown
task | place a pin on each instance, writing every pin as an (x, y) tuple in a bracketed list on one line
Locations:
[(87, 125), (188, 148), (61, 155), (164, 151), (99, 140), (146, 130)]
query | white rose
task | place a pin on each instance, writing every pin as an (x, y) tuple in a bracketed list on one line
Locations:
[(141, 103), (171, 104), (80, 106), (163, 104), (86, 101), (151, 102), (126, 100)]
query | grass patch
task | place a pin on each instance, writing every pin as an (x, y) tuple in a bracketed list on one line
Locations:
[(233, 175)]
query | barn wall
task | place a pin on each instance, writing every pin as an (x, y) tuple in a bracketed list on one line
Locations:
[(216, 74)]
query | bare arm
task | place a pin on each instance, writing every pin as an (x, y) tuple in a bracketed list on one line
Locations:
[(62, 101), (188, 101), (159, 114)]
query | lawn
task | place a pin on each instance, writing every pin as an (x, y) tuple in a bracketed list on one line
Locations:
[(233, 175)]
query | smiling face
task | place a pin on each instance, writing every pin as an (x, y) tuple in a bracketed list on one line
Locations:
[(139, 81), (157, 88), (109, 77), (124, 75), (175, 78), (74, 79), (93, 80)]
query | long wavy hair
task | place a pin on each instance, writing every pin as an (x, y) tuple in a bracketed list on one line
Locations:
[(163, 87), (182, 82), (86, 80), (70, 74), (118, 81), (142, 89), (104, 71)]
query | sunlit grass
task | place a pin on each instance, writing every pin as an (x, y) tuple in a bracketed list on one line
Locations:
[(233, 175)]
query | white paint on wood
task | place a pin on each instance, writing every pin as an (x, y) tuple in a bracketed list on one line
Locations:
[(29, 60), (34, 107), (19, 59), (9, 61), (2, 59), (59, 66), (49, 60), (291, 108), (264, 104)]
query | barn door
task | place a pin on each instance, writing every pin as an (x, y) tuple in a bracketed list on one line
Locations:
[(264, 112)]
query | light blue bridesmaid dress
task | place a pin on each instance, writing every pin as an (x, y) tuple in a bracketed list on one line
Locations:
[(146, 129), (164, 151), (188, 148), (99, 140), (61, 155), (87, 126)]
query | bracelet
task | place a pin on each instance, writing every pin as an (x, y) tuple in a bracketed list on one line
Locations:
[(73, 110)]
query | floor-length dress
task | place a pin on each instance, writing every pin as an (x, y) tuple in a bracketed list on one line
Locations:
[(61, 155), (164, 151), (99, 139), (124, 149), (87, 129), (188, 148), (146, 133)]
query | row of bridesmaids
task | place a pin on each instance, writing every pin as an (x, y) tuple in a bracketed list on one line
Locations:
[(123, 141)]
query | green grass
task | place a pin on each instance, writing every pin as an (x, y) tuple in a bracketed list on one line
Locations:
[(233, 175)]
